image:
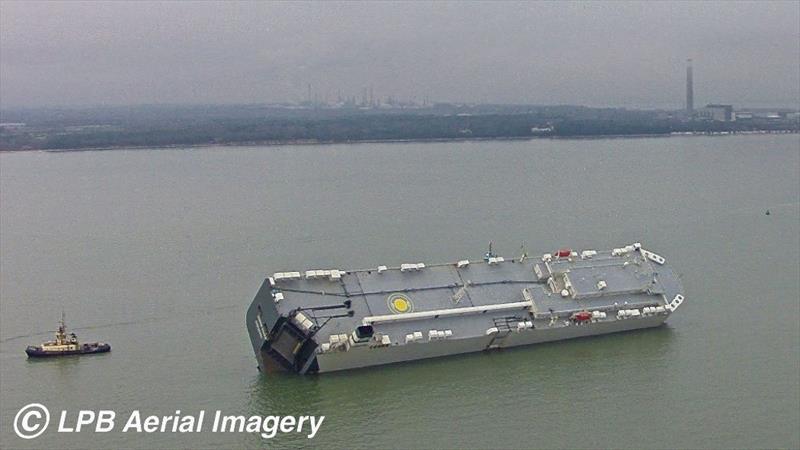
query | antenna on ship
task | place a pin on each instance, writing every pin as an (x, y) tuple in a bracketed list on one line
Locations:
[(61, 335), (490, 253), (524, 252)]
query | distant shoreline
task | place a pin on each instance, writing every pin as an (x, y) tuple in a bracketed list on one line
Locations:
[(399, 141)]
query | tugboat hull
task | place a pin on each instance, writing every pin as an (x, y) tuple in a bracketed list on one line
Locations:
[(85, 349)]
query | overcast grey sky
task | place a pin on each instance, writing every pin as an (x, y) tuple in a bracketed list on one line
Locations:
[(600, 54)]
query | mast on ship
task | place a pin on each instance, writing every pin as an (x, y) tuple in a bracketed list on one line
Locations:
[(61, 334), (489, 254)]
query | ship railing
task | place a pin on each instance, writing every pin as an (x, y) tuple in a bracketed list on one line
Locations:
[(526, 305)]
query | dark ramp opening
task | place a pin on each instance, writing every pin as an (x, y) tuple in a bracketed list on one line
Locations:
[(364, 332)]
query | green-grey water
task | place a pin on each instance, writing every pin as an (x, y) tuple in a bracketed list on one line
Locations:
[(159, 252)]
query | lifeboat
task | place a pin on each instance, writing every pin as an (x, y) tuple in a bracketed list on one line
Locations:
[(563, 252), (581, 316)]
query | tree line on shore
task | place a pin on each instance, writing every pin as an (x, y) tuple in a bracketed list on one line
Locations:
[(354, 128)]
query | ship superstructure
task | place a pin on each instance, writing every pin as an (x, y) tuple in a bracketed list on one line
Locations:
[(324, 320)]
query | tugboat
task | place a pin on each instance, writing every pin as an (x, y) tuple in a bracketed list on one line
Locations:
[(66, 344)]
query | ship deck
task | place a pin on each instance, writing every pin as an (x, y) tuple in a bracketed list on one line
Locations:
[(461, 299)]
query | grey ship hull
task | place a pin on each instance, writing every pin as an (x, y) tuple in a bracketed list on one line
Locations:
[(363, 357), (323, 321)]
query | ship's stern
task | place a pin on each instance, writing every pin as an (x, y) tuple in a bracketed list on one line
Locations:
[(278, 343)]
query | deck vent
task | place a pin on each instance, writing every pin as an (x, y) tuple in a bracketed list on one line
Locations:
[(286, 276), (304, 322), (653, 257), (439, 334), (624, 313), (622, 250), (413, 337), (524, 325), (677, 301)]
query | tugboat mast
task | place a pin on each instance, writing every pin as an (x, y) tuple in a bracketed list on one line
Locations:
[(61, 335)]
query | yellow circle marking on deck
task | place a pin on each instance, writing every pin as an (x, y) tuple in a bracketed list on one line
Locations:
[(399, 303)]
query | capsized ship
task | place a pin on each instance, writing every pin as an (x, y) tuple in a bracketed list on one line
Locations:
[(329, 320), (66, 344)]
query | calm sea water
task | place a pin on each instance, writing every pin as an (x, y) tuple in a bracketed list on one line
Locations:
[(160, 252)]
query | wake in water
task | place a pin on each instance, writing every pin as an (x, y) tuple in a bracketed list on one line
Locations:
[(116, 324)]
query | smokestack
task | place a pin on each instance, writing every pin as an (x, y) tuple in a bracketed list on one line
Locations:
[(689, 87)]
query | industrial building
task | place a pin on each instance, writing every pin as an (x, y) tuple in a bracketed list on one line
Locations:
[(717, 113)]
